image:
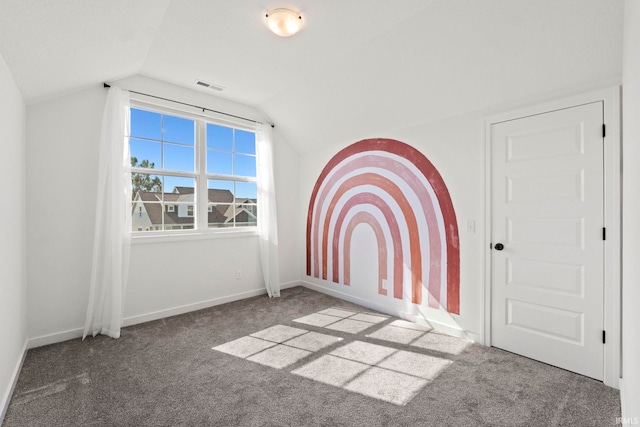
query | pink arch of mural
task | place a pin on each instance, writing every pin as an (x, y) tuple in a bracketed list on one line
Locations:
[(396, 238), (365, 218), (425, 200), (442, 195)]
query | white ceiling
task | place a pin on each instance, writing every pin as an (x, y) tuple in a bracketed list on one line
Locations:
[(358, 69)]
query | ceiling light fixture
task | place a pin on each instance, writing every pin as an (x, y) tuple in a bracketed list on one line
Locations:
[(284, 22)]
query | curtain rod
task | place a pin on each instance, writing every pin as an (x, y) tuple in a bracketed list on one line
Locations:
[(106, 86)]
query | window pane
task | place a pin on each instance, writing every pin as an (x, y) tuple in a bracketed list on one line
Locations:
[(177, 129), (227, 211), (172, 209), (141, 214), (179, 157), (244, 165), (221, 215), (179, 187), (246, 190), (245, 142), (221, 190), (219, 137), (146, 212), (219, 162), (145, 154), (146, 124), (146, 183), (246, 214), (221, 203), (178, 215)]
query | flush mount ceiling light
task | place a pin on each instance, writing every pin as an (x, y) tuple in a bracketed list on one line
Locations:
[(284, 22)]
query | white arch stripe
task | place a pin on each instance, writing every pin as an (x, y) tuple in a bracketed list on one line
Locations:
[(386, 231)]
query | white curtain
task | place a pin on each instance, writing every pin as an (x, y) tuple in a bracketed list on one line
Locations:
[(112, 241), (267, 219)]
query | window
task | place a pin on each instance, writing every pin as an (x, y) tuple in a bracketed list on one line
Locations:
[(231, 156), (191, 173)]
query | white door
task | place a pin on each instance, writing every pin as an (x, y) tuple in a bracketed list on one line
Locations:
[(547, 261)]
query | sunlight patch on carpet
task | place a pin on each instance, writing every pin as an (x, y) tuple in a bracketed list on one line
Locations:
[(341, 320), (373, 370)]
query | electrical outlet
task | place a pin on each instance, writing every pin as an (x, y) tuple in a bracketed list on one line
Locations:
[(238, 274)]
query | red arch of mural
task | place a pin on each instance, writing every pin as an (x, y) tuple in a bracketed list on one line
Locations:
[(437, 184), (377, 201), (427, 206), (366, 218)]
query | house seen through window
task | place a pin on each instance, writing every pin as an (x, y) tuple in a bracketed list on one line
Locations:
[(190, 173)]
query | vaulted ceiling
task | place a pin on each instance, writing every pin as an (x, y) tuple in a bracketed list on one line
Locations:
[(359, 68)]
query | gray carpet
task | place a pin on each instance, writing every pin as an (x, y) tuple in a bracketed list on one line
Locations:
[(165, 373)]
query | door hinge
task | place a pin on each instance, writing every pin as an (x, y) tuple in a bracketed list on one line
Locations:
[(604, 130), (604, 337), (604, 233)]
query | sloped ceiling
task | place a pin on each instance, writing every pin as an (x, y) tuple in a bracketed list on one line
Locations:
[(58, 46), (358, 68)]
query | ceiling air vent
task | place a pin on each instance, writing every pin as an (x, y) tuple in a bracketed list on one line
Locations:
[(209, 85)]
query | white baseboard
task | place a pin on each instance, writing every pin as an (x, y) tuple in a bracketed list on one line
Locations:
[(341, 295), (161, 314), (441, 327), (291, 284), (628, 419), (623, 405), (437, 326), (156, 315), (57, 337), (6, 398)]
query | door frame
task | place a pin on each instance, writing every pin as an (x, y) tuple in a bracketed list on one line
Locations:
[(612, 216)]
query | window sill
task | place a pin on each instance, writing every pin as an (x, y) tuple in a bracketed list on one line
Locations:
[(182, 236)]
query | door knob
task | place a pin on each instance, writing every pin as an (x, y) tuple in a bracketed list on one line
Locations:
[(499, 246)]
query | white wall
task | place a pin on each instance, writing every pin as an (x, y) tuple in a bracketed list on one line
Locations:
[(13, 289), (630, 387), (165, 277), (62, 150), (286, 175)]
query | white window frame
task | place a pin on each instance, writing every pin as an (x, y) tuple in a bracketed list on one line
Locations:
[(201, 227)]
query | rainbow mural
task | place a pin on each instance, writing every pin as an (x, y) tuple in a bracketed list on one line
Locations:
[(399, 194)]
